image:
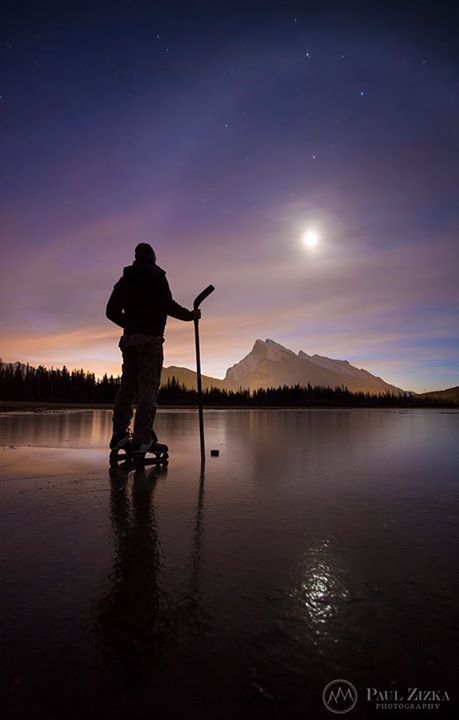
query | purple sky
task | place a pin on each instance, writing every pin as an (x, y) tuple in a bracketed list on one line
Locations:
[(220, 137)]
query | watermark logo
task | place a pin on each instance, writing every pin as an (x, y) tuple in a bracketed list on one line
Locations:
[(339, 696), (410, 699)]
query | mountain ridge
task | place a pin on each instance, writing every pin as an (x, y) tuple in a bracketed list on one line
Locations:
[(449, 394), (269, 364)]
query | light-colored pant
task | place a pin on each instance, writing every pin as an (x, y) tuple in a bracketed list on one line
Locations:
[(142, 365)]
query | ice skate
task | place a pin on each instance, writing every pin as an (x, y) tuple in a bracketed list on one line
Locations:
[(120, 447), (150, 452)]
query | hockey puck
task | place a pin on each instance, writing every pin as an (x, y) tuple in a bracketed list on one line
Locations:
[(215, 453)]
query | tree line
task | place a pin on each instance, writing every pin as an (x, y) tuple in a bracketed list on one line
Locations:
[(40, 384)]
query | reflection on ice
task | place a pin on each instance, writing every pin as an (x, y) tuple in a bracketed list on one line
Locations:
[(321, 590)]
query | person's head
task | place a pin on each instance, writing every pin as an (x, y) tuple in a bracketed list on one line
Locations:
[(145, 253)]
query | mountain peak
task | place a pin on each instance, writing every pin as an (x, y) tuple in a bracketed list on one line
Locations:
[(269, 346), (272, 344)]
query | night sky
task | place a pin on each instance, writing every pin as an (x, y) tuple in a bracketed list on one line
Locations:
[(221, 133)]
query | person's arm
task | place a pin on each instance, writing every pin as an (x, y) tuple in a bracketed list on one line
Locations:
[(173, 308), (178, 311), (114, 310)]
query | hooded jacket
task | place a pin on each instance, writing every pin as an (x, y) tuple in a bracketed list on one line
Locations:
[(141, 300)]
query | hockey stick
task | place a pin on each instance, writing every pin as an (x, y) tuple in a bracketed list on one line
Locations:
[(197, 301)]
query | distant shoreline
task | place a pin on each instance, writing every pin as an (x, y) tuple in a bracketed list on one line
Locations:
[(15, 405)]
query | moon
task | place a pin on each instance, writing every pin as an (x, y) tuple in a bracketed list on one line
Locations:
[(311, 239)]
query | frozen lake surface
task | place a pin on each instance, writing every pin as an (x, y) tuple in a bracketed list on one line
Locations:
[(321, 544)]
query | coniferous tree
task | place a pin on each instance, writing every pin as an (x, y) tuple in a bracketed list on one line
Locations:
[(42, 384)]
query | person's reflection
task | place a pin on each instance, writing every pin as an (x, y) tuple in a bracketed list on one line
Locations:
[(145, 639), (132, 622)]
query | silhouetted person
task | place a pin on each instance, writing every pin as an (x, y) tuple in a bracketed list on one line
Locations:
[(140, 303)]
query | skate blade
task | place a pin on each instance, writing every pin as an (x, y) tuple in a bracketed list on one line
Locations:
[(151, 459), (119, 455)]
